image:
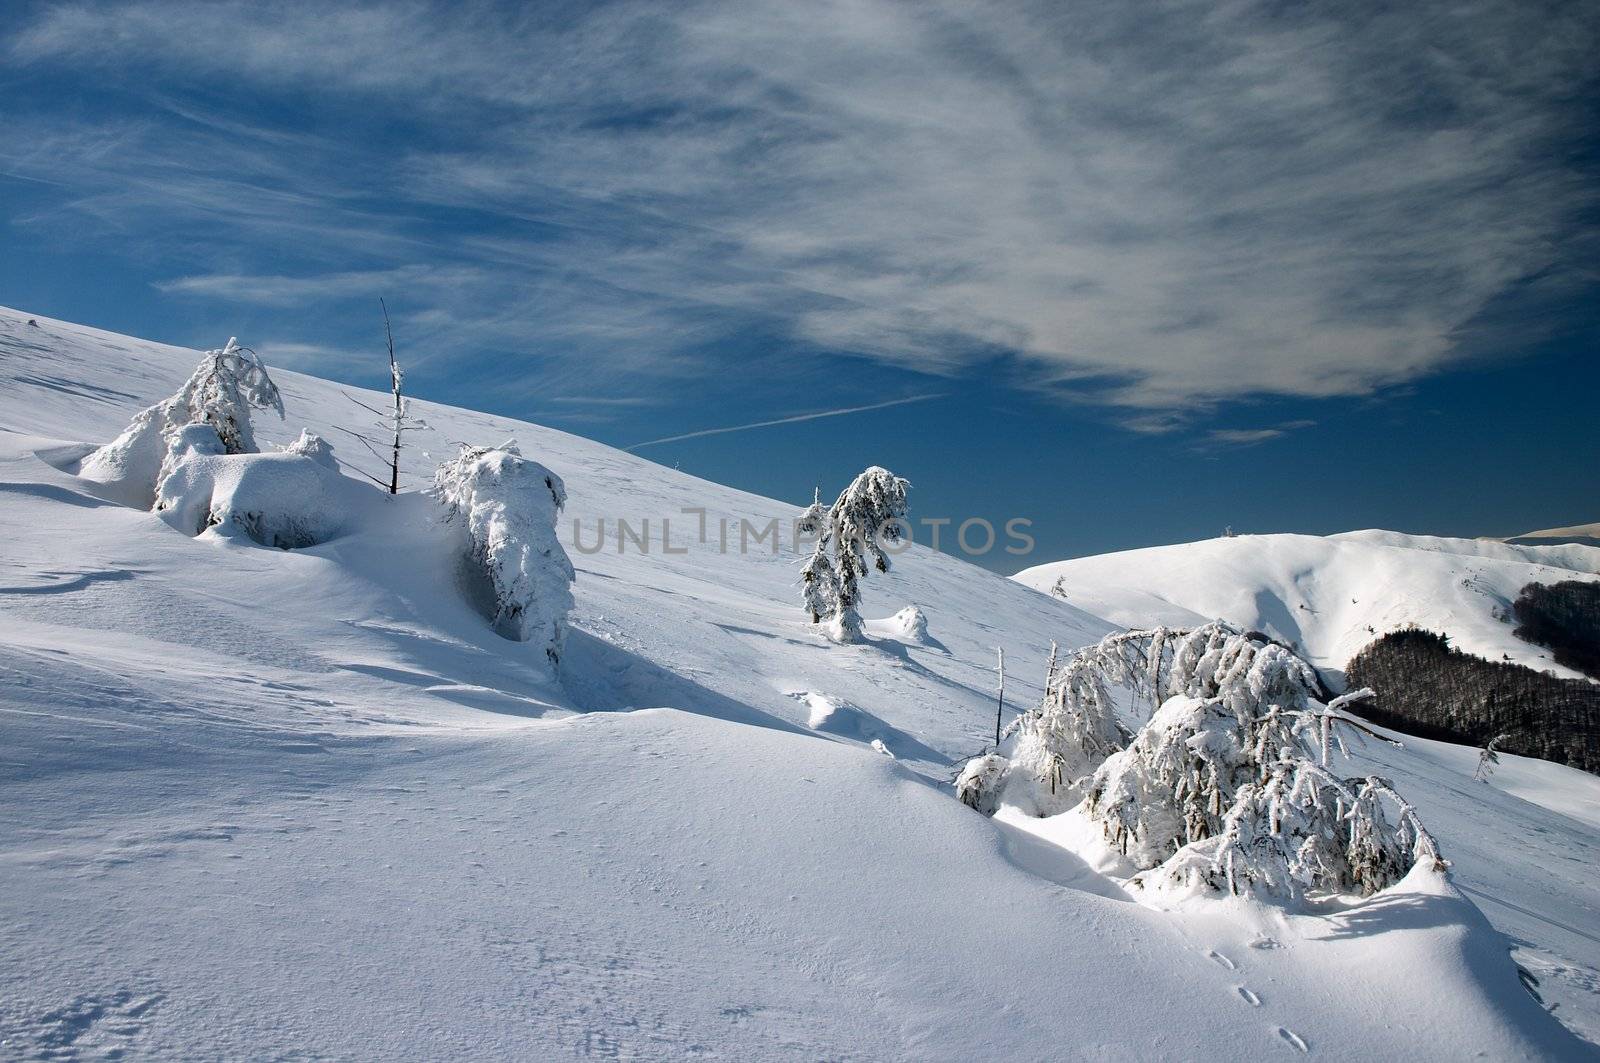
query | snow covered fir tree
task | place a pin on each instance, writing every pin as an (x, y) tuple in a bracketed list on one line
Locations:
[(867, 517)]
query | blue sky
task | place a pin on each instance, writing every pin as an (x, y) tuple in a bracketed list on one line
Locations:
[(1132, 271)]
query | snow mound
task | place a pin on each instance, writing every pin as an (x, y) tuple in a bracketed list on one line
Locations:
[(310, 445), (283, 500), (909, 624), (855, 724)]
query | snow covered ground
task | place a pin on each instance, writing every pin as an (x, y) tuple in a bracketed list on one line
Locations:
[(305, 804), (1328, 596)]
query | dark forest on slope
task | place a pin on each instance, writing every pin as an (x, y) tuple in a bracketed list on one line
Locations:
[(1426, 687), (1564, 618)]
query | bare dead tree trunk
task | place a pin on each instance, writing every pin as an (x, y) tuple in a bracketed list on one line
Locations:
[(393, 423), (399, 409), (1000, 704)]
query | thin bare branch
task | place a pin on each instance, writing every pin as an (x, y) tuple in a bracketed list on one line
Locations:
[(364, 406)]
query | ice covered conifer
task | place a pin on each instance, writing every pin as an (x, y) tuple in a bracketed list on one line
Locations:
[(868, 514), (811, 519), (1226, 786), (1072, 731), (1300, 830), (506, 506), (227, 384)]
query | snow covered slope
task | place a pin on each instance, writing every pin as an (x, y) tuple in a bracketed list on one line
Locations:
[(271, 804), (1328, 596)]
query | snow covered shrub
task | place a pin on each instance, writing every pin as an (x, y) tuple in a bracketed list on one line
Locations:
[(507, 507), (220, 393), (980, 782), (1226, 787), (310, 445), (1071, 732), (866, 515), (283, 500), (1301, 830)]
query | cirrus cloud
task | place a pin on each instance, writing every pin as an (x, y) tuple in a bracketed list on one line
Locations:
[(1156, 206)]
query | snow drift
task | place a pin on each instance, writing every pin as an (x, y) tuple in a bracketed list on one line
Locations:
[(284, 500)]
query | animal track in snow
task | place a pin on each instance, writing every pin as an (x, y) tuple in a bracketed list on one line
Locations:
[(1249, 996), (1222, 960), (1293, 1039)]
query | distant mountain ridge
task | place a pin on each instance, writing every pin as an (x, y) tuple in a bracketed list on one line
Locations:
[(1329, 596), (1580, 534)]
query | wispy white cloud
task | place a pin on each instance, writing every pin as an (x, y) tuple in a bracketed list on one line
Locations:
[(293, 291), (604, 400), (796, 419), (1247, 437), (1158, 206)]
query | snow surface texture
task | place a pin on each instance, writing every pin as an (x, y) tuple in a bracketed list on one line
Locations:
[(307, 803), (1327, 596)]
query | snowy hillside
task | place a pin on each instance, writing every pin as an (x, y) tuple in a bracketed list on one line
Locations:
[(1328, 596), (281, 804)]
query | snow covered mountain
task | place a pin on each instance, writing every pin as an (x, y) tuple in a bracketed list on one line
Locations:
[(1584, 534), (1328, 596), (265, 803)]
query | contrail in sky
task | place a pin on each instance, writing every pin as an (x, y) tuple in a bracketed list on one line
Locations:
[(784, 420)]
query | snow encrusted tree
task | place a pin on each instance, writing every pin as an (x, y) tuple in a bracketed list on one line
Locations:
[(810, 520), (980, 780), (1227, 786), (507, 506), (227, 384), (1072, 730), (1489, 757), (866, 515)]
